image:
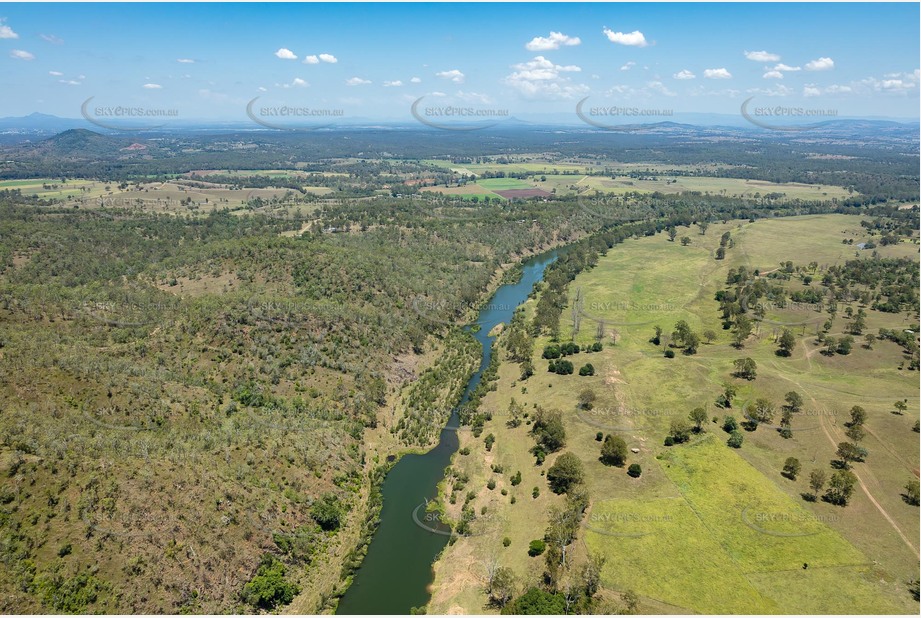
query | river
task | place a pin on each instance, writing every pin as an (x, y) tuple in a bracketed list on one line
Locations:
[(397, 571)]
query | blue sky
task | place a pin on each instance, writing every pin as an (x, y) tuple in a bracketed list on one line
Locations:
[(373, 60)]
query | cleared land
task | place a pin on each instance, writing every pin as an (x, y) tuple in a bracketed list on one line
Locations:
[(707, 528)]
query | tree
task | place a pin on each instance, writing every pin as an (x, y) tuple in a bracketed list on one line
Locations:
[(710, 335), (869, 340), (912, 495), (501, 587), (845, 344), (680, 430), (858, 416), (735, 439), (762, 411), (548, 429), (635, 470), (794, 401), (268, 588), (816, 482), (855, 433), (685, 241), (849, 453), (720, 253), (745, 368), (725, 398), (741, 331), (730, 424), (786, 422), (614, 451), (672, 233), (587, 370), (840, 487), (537, 601), (786, 342), (703, 225), (587, 399), (901, 406), (327, 512), (566, 472), (791, 468), (698, 416)]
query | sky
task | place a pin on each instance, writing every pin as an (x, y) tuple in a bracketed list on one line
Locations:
[(373, 61)]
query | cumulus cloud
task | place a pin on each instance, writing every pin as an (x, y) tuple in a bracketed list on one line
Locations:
[(762, 56), (285, 54), (633, 39), (152, 86), (684, 74), (357, 81), (454, 75), (328, 58), (21, 55), (393, 84), (554, 41), (415, 80), (51, 39), (820, 64), (811, 91), (311, 60), (541, 78), (185, 61), (720, 73), (773, 75), (6, 32), (784, 67), (627, 66)]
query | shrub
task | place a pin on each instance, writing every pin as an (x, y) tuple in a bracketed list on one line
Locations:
[(735, 439), (635, 470), (268, 588), (536, 547)]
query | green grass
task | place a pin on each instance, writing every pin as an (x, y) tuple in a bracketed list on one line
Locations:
[(677, 560), (504, 184)]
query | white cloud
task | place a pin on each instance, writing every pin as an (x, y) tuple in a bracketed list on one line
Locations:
[(454, 75), (185, 61), (152, 86), (475, 97), (773, 75), (684, 74), (393, 84), (540, 78), (720, 73), (51, 39), (784, 67), (627, 66), (70, 82), (777, 90), (762, 56), (810, 90), (357, 81), (21, 55), (633, 39), (329, 58), (285, 54), (299, 83), (6, 32), (820, 64), (263, 89), (55, 73), (415, 80), (660, 88), (554, 41), (837, 89), (311, 60)]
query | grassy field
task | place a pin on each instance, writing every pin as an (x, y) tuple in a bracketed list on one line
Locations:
[(731, 515)]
